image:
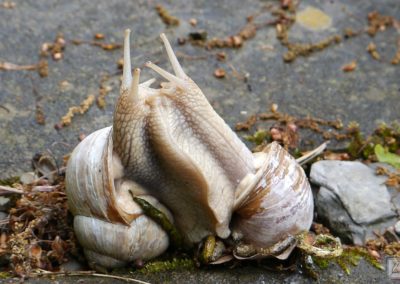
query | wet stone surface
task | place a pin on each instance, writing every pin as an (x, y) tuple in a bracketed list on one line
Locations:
[(314, 85), (352, 200)]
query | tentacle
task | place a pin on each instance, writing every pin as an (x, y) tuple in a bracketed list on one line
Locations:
[(147, 83), (172, 58), (134, 90), (170, 77), (126, 73)]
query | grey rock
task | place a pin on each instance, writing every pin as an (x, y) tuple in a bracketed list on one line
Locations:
[(397, 228), (5, 203), (27, 178), (394, 193), (362, 193), (352, 200), (3, 215)]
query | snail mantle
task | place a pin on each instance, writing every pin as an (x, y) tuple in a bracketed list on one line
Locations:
[(170, 148)]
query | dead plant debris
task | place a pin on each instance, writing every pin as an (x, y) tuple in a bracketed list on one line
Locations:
[(104, 89), (396, 58), (378, 23), (99, 36), (349, 67), (15, 67), (393, 177), (8, 5), (221, 56), (285, 130), (54, 49), (166, 17), (39, 115), (41, 67), (39, 232), (219, 73), (81, 109), (234, 41), (371, 48), (103, 45)]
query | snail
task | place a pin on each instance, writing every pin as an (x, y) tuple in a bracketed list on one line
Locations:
[(169, 147)]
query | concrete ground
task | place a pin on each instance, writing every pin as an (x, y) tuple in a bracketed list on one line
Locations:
[(313, 85)]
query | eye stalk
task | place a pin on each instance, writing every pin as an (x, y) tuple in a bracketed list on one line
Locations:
[(126, 71)]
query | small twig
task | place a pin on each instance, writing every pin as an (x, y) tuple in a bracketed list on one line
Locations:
[(5, 221), (312, 154), (105, 46), (12, 66), (45, 188), (59, 171), (5, 108), (9, 190), (85, 273)]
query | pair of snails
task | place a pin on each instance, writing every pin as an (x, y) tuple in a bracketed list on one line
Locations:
[(170, 148)]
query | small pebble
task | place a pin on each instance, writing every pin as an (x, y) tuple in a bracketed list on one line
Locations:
[(221, 56), (99, 36), (193, 22), (274, 108), (219, 73), (350, 66), (57, 56), (27, 178), (181, 40), (375, 254)]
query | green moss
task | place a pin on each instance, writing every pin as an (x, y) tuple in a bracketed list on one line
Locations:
[(9, 181), (168, 265), (322, 263), (5, 275), (360, 147), (258, 137), (343, 265), (309, 267), (351, 256), (357, 140)]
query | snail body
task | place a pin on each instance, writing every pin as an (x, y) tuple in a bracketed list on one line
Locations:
[(169, 146)]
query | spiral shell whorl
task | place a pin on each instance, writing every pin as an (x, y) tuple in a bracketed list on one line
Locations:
[(107, 222), (142, 239), (280, 205)]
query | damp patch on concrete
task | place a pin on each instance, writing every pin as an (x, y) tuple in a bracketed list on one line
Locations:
[(313, 19)]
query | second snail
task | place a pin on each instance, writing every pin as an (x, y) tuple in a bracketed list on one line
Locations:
[(169, 147)]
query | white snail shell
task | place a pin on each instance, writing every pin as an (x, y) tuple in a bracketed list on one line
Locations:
[(108, 223), (169, 144), (277, 203)]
